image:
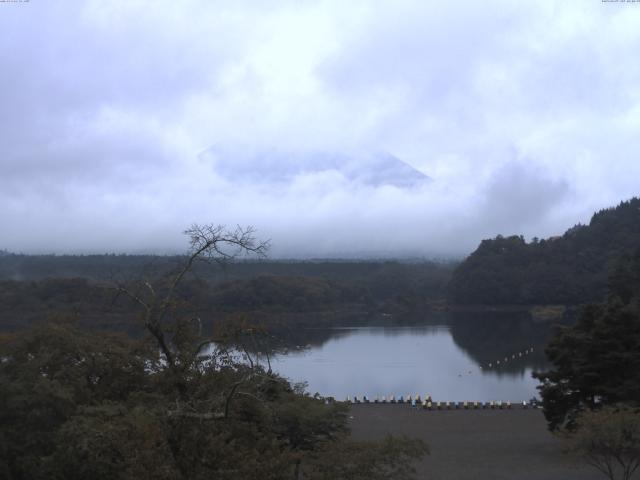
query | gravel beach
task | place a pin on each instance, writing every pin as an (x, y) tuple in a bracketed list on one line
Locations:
[(475, 444)]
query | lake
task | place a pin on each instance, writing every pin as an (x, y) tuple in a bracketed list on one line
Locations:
[(479, 357)]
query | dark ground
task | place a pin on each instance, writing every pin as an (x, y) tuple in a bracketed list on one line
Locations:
[(475, 444)]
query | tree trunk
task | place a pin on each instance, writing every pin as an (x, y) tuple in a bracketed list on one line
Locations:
[(297, 474)]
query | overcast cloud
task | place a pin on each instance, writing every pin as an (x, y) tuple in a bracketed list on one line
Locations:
[(524, 115)]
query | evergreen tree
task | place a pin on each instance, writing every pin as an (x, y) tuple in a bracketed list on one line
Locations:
[(597, 361)]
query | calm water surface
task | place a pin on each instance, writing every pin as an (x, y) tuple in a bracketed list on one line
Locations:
[(449, 362)]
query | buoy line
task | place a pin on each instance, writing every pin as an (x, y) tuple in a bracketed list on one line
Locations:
[(427, 403), (514, 356)]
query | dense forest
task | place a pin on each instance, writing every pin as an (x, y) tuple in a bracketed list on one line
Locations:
[(384, 278), (570, 270), (34, 288)]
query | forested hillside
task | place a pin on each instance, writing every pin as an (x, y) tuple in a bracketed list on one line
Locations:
[(570, 269), (384, 280), (98, 305), (338, 288)]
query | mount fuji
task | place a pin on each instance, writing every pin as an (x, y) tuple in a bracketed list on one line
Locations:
[(275, 166)]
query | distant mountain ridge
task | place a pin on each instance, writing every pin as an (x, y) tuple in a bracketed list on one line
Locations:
[(278, 166), (571, 269)]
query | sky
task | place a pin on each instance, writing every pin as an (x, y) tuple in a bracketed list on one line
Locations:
[(525, 116)]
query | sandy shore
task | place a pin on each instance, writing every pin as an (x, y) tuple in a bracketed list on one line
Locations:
[(475, 444)]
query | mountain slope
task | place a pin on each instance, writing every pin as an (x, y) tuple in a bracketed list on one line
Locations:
[(277, 166), (571, 269)]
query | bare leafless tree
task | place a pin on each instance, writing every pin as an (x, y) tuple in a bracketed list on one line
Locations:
[(210, 243)]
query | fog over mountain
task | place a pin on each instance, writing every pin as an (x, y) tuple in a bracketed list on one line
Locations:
[(279, 168), (335, 128)]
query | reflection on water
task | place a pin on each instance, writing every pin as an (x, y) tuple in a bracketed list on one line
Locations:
[(448, 360)]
